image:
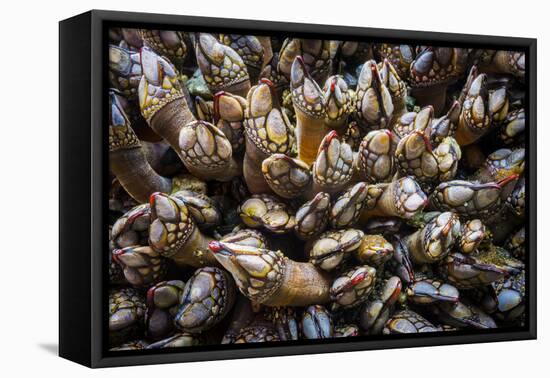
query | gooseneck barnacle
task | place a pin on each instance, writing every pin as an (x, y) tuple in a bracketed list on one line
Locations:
[(268, 189)]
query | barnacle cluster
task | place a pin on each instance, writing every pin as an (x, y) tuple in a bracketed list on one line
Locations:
[(270, 189)]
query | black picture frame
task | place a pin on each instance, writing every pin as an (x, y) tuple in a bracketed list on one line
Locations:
[(83, 187)]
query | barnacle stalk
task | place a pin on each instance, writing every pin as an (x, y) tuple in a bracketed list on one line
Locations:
[(127, 159), (174, 234), (310, 108), (270, 278), (223, 69), (268, 132), (162, 98), (163, 159)]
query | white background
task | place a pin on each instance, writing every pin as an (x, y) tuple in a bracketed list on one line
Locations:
[(29, 187)]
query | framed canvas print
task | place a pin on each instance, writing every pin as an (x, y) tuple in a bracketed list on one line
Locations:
[(234, 188)]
